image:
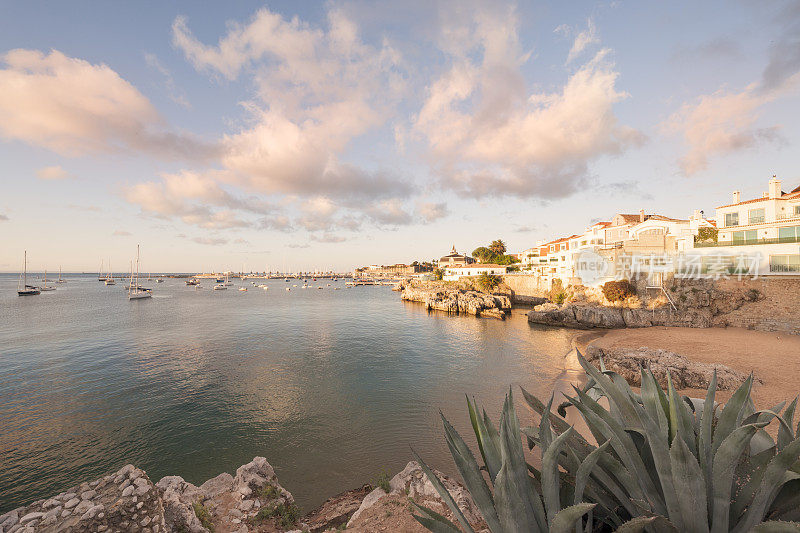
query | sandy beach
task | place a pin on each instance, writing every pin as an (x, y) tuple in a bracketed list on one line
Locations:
[(772, 357)]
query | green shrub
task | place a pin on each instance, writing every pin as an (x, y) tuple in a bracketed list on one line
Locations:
[(616, 291), (706, 235), (383, 481), (488, 282), (662, 463), (560, 297), (202, 514), (285, 515), (438, 273)]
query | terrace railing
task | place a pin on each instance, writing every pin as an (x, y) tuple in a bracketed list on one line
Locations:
[(747, 242)]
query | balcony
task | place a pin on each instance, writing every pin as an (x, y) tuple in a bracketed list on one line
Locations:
[(790, 216), (756, 220), (748, 242), (784, 268)]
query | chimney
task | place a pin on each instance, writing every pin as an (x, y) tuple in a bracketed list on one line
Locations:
[(641, 215), (696, 215), (737, 197), (774, 188)]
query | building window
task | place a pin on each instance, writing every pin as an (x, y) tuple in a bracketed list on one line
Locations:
[(756, 216), (797, 210), (745, 236), (731, 219), (790, 234), (784, 263)]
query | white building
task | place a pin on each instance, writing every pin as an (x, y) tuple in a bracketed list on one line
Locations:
[(456, 272)]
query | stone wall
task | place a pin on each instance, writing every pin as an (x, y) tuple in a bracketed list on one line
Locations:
[(526, 288)]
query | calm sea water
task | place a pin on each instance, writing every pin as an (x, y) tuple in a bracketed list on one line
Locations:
[(330, 386)]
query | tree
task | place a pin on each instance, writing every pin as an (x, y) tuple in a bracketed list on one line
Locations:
[(498, 247), (482, 254), (438, 274)]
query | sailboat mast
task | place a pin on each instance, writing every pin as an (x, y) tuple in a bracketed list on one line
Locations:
[(25, 270)]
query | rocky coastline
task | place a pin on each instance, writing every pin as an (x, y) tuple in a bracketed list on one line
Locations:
[(250, 501), (458, 300)]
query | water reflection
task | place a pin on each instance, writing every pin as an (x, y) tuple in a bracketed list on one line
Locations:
[(330, 386)]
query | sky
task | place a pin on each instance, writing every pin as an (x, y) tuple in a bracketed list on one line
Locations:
[(299, 136)]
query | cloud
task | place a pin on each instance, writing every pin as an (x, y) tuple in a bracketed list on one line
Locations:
[(3, 218), (525, 229), (489, 136), (195, 198), (241, 241), (328, 238), (583, 40), (298, 245), (720, 123), (389, 212), (721, 47), (90, 208), (725, 121), (317, 90), (210, 241), (430, 211), (52, 173), (175, 94), (74, 108), (121, 233)]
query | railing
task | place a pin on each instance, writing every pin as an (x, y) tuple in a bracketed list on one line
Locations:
[(781, 216), (756, 220), (747, 242), (784, 268)]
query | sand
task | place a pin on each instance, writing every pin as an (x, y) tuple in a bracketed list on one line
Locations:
[(772, 357)]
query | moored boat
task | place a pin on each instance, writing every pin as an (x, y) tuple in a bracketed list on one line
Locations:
[(24, 289)]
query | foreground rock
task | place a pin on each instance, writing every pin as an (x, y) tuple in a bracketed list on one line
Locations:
[(124, 501), (392, 512), (685, 374), (459, 301), (251, 501)]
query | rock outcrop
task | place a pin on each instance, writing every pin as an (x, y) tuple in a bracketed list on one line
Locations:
[(412, 483), (686, 374), (124, 501), (459, 301)]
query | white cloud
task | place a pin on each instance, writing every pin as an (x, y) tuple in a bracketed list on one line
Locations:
[(583, 40), (430, 211), (210, 241), (317, 90), (719, 123), (52, 173), (489, 136), (175, 94), (328, 238), (73, 108)]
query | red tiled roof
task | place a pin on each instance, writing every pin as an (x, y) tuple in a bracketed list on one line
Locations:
[(479, 265), (784, 196)]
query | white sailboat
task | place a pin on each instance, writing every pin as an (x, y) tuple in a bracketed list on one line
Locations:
[(45, 287), (100, 272), (135, 292), (110, 278), (24, 289), (59, 280)]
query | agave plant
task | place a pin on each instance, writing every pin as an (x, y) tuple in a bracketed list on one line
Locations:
[(661, 462)]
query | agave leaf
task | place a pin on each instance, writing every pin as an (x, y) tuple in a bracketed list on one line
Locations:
[(636, 525), (785, 436), (471, 474), (704, 439), (582, 476), (545, 433), (775, 526), (757, 467), (565, 519), (653, 405), (786, 505), (642, 488), (577, 441), (443, 493), (550, 476), (691, 486), (616, 397), (775, 476), (725, 461), (518, 503), (732, 414), (488, 445), (680, 419), (433, 521)]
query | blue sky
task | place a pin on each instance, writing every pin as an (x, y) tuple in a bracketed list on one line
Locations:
[(297, 136)]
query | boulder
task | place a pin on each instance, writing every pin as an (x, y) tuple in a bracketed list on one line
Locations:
[(686, 374), (459, 301)]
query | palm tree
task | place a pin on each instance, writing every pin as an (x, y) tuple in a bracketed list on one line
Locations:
[(498, 247)]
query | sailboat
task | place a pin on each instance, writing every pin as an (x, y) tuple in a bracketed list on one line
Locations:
[(100, 272), (135, 292), (59, 280), (24, 289), (228, 283), (44, 286), (110, 278)]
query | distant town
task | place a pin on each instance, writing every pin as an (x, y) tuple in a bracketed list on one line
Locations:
[(755, 237)]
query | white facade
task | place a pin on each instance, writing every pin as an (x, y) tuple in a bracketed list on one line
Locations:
[(454, 273)]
